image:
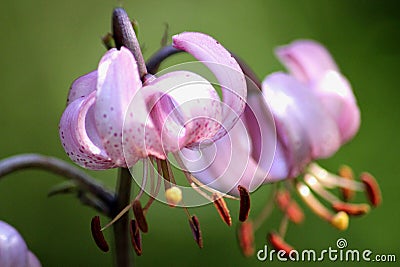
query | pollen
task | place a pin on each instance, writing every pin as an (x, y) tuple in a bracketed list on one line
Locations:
[(173, 195), (340, 220)]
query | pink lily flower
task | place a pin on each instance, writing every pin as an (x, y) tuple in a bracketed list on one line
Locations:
[(304, 116), (13, 249), (312, 112), (113, 119), (312, 64)]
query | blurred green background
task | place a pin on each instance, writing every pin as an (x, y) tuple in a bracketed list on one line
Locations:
[(47, 44)]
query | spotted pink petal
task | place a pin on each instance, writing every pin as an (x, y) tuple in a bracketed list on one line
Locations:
[(184, 107), (118, 81), (243, 156), (140, 135), (225, 68), (82, 86), (305, 129), (227, 163), (311, 63), (79, 136)]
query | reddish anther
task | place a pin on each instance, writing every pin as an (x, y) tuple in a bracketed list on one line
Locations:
[(139, 215), (195, 226), (222, 209), (246, 238), (136, 237), (372, 189), (98, 234), (244, 203)]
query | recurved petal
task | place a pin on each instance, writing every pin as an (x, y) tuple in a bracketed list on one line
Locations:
[(225, 68), (336, 95), (79, 136), (33, 261), (185, 109), (305, 129), (305, 59), (261, 129), (13, 249), (227, 163), (82, 86), (118, 81), (310, 62), (140, 135)]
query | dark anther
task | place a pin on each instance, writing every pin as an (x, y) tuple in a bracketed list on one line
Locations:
[(222, 209), (195, 226), (139, 215), (98, 234), (136, 237), (244, 203)]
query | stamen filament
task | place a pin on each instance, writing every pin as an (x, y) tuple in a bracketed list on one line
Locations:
[(313, 183), (209, 189), (312, 202), (330, 180), (339, 220), (337, 204), (144, 180), (347, 173), (196, 184), (162, 165), (267, 210), (119, 215), (153, 196), (284, 225), (198, 190)]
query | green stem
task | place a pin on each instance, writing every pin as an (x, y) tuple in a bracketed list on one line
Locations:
[(123, 255)]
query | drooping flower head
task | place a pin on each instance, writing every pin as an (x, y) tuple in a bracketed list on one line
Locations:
[(121, 116), (13, 249), (313, 112), (113, 119)]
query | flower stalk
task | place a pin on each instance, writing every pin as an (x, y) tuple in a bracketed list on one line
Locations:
[(123, 255)]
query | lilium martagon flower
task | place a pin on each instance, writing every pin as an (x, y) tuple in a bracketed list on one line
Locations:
[(13, 249), (313, 112), (119, 117)]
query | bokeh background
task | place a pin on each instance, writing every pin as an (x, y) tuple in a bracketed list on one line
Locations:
[(45, 45)]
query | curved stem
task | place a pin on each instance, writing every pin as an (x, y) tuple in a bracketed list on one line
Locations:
[(57, 166), (164, 52), (157, 58), (250, 74), (123, 255)]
